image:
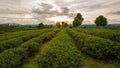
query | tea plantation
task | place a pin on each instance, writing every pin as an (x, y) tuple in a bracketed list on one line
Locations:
[(61, 48)]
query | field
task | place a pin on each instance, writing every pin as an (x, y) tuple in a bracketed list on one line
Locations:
[(61, 48)]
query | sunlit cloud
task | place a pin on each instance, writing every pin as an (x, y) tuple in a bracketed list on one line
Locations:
[(60, 19)]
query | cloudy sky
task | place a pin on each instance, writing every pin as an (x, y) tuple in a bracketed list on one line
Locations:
[(51, 11)]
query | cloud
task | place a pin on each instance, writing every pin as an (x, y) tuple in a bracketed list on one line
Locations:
[(115, 13), (65, 10), (12, 7), (39, 11), (43, 9)]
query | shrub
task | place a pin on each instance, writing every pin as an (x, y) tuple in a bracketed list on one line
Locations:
[(59, 53), (104, 33), (15, 42), (96, 46), (14, 57)]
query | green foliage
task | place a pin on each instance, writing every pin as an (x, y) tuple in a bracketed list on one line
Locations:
[(63, 24), (113, 35), (11, 35), (96, 46), (7, 28), (50, 26), (60, 53), (58, 24), (15, 42), (70, 26), (10, 44), (41, 25), (78, 20), (66, 25), (101, 21), (14, 57)]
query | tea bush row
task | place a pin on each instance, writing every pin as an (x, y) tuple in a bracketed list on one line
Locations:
[(108, 34), (15, 57), (95, 46), (59, 53), (4, 45)]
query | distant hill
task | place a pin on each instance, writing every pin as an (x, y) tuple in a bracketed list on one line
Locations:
[(94, 26), (10, 24), (14, 27)]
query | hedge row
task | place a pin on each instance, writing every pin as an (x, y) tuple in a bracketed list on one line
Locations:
[(113, 35), (59, 53), (4, 45), (13, 58), (95, 46)]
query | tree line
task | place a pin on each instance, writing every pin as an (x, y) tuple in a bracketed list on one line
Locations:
[(99, 21)]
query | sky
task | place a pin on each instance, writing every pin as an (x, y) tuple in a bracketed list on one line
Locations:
[(52, 11)]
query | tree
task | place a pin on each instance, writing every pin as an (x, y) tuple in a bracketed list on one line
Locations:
[(58, 24), (41, 25), (78, 20), (66, 25), (70, 26), (63, 24), (101, 21), (51, 26)]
